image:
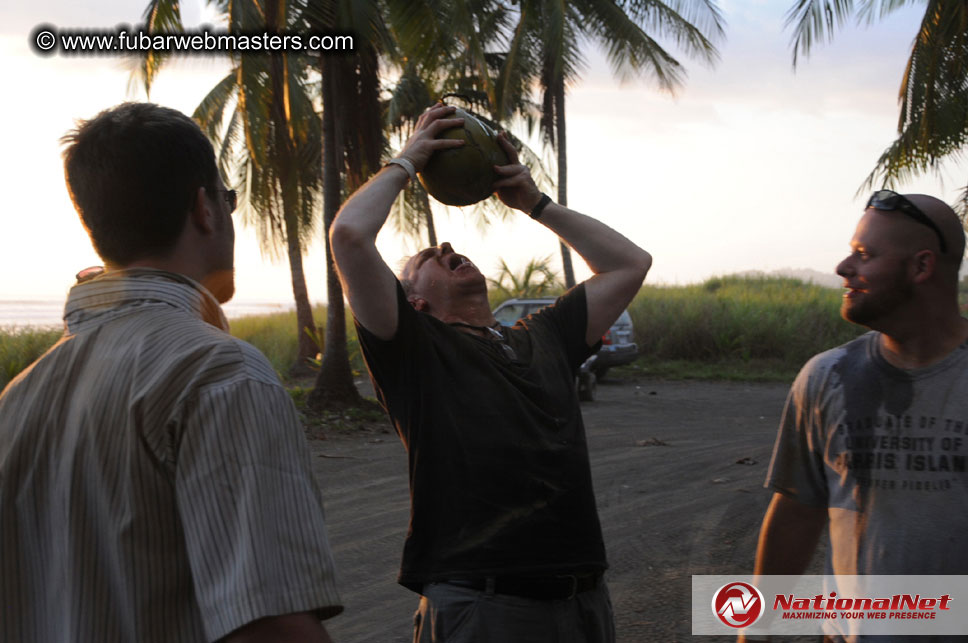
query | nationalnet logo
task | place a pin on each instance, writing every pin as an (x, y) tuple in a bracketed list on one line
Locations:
[(845, 605), (829, 607), (738, 604)]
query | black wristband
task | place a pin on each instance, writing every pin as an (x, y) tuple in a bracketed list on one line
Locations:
[(538, 209)]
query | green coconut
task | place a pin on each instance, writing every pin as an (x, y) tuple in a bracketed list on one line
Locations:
[(464, 175)]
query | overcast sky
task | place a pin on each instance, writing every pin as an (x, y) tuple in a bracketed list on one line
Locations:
[(752, 166)]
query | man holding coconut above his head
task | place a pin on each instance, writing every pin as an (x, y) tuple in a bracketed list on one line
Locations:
[(504, 541)]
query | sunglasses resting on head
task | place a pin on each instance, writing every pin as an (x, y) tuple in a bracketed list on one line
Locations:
[(890, 200)]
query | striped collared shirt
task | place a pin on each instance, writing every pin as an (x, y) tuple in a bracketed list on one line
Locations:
[(155, 482)]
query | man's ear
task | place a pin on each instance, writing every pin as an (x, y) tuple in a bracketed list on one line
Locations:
[(924, 264), (420, 304), (202, 214)]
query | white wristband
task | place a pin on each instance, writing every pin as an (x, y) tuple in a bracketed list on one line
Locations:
[(406, 164)]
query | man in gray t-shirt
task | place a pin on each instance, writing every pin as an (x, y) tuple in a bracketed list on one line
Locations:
[(883, 450), (873, 436)]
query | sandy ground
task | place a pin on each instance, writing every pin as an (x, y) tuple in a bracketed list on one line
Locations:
[(678, 469)]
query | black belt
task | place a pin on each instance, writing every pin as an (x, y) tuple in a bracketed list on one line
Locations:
[(545, 588)]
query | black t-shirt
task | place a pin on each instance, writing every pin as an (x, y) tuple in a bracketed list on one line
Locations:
[(499, 476)]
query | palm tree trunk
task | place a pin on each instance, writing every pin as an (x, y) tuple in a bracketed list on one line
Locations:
[(429, 216), (284, 158), (563, 173), (334, 384), (304, 311)]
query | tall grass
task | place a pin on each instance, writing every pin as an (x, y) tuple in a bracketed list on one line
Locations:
[(275, 336), (739, 318), (19, 347)]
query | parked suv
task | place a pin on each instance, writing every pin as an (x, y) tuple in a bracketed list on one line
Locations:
[(617, 345)]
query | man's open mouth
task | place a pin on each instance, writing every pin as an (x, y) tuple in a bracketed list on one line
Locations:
[(456, 261)]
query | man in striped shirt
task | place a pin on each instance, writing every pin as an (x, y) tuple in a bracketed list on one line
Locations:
[(155, 483)]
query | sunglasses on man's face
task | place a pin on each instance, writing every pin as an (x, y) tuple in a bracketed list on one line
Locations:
[(890, 200)]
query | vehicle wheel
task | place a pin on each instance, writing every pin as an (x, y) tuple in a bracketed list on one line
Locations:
[(587, 383), (600, 372)]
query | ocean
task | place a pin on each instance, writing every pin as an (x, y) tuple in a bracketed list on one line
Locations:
[(48, 313)]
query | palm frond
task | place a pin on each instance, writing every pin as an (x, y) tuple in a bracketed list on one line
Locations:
[(254, 100), (245, 16), (693, 26), (160, 16), (630, 49), (418, 28), (321, 15), (960, 206), (512, 85), (409, 97), (536, 279), (936, 76), (361, 124), (410, 213), (814, 22), (211, 111), (704, 15), (474, 47), (232, 142), (873, 10), (562, 35), (933, 124)]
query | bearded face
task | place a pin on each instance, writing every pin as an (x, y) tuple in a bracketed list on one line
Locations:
[(875, 297), (876, 273)]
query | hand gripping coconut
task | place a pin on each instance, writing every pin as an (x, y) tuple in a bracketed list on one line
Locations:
[(464, 175)]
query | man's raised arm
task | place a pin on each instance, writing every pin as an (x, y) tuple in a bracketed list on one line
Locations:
[(368, 282), (619, 265)]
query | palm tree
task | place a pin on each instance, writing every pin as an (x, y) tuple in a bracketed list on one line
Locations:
[(269, 142), (536, 279), (295, 153), (352, 144), (544, 46), (933, 121)]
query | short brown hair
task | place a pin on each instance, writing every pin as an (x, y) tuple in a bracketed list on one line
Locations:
[(133, 172)]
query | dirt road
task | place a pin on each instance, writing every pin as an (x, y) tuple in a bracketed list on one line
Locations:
[(678, 470)]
